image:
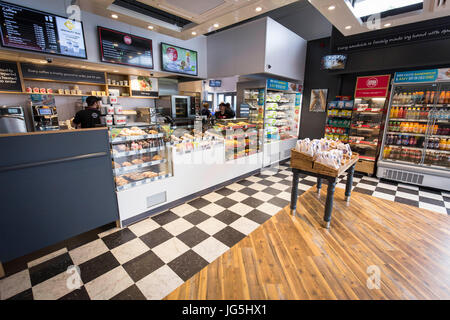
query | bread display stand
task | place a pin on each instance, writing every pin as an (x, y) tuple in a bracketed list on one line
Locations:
[(305, 164)]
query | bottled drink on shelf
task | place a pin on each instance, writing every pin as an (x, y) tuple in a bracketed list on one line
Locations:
[(442, 98), (447, 97), (427, 97)]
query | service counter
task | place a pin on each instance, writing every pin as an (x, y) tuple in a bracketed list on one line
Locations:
[(54, 185)]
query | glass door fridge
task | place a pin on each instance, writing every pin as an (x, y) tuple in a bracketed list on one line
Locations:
[(416, 142)]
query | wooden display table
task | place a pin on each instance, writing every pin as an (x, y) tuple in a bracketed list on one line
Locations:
[(302, 163)]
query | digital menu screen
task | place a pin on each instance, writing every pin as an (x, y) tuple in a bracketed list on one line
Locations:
[(123, 48), (179, 60), (29, 29)]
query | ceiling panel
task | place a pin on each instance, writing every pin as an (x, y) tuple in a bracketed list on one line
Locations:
[(196, 7)]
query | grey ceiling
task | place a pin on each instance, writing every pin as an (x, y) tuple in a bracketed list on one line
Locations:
[(300, 17)]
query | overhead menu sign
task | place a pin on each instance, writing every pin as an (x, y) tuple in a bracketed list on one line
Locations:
[(28, 29), (33, 71), (429, 75), (372, 86), (9, 77)]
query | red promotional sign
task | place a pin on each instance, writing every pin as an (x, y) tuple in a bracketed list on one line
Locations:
[(372, 86)]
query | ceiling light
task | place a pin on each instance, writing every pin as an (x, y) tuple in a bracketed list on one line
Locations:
[(150, 27), (331, 8), (114, 16), (194, 33), (116, 70), (215, 25), (348, 27), (43, 61), (387, 24), (258, 9)]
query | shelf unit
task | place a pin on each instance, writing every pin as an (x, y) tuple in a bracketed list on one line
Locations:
[(339, 114)]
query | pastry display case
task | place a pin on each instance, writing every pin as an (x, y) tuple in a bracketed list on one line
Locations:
[(365, 131), (188, 140), (139, 156), (242, 138)]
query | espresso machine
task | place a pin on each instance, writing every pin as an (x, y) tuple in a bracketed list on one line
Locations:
[(44, 114)]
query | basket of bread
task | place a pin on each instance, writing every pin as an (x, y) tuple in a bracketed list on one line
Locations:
[(324, 156)]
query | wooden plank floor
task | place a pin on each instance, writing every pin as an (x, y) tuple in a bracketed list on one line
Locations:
[(295, 258)]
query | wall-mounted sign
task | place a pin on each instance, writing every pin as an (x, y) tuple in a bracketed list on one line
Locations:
[(430, 75), (123, 48), (144, 86), (215, 83), (261, 93), (29, 29), (372, 86), (274, 84), (179, 60), (9, 77), (33, 71), (354, 43)]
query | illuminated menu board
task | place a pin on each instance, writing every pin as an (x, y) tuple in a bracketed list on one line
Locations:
[(28, 29), (123, 48)]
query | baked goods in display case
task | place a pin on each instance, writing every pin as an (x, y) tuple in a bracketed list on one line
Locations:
[(195, 140), (139, 156)]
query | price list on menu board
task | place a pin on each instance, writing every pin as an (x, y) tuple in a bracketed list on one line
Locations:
[(121, 48), (28, 29)]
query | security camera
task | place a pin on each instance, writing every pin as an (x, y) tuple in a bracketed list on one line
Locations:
[(269, 66), (151, 74), (49, 60)]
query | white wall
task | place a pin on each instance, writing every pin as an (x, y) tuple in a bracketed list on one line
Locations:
[(251, 47), (285, 52), (91, 21), (237, 51)]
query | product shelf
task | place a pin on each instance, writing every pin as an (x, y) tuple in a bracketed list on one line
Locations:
[(135, 167)]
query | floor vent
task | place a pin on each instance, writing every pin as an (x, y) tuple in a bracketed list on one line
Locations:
[(156, 199), (403, 176)]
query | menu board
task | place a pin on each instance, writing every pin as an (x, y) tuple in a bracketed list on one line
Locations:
[(9, 77), (144, 86), (123, 48), (179, 60), (28, 29)]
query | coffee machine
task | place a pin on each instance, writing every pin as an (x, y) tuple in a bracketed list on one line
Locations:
[(44, 114)]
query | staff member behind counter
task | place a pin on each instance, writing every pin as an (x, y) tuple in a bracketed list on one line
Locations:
[(90, 116)]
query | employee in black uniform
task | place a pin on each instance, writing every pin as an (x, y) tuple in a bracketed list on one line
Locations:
[(90, 116)]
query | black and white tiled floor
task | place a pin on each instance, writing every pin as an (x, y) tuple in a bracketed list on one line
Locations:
[(151, 258)]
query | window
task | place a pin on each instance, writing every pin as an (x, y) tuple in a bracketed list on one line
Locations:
[(364, 8)]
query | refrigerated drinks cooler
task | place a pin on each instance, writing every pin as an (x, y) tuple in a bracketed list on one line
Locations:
[(416, 142)]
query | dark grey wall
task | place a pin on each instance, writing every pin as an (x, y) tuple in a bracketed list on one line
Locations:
[(53, 186), (312, 124)]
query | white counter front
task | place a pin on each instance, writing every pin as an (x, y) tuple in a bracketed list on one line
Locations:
[(193, 172)]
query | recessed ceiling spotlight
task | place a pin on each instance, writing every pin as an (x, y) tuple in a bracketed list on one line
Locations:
[(387, 24), (348, 27), (150, 27), (331, 8), (43, 61), (114, 16), (116, 70), (258, 9), (215, 25), (194, 33)]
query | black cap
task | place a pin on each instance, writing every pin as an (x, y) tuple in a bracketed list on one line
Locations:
[(91, 100)]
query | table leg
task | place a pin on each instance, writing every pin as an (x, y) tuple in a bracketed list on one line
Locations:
[(2, 271), (319, 185), (329, 203), (294, 192), (348, 186)]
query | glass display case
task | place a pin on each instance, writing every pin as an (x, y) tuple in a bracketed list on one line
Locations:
[(339, 115), (139, 156), (417, 133), (281, 116), (366, 131), (241, 137)]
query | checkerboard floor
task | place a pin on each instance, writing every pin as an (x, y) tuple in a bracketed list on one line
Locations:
[(151, 258)]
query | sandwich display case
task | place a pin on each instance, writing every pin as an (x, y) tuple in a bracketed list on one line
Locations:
[(366, 131), (416, 142), (139, 156)]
